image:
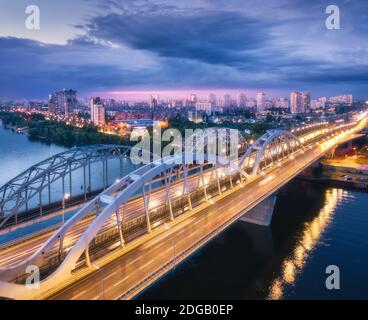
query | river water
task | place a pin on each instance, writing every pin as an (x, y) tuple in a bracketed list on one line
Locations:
[(18, 153), (313, 226)]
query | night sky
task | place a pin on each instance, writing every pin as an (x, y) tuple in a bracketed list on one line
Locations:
[(114, 48)]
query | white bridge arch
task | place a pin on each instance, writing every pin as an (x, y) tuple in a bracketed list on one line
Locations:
[(270, 148)]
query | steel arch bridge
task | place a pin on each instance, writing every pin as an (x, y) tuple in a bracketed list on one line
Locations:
[(30, 183), (269, 149), (111, 203), (216, 141)]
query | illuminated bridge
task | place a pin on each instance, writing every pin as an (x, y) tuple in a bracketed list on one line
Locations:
[(38, 180), (140, 227)]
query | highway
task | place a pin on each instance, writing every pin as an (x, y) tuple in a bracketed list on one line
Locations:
[(111, 281)]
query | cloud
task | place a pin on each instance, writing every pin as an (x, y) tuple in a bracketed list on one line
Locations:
[(212, 37), (196, 43)]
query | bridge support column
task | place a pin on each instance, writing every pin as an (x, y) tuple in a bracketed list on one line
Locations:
[(243, 178), (89, 176), (16, 216), (26, 196), (61, 246), (70, 180), (84, 183), (262, 213), (118, 223), (203, 182), (86, 255), (218, 182), (168, 193), (49, 187), (63, 192), (146, 200), (185, 187), (40, 199)]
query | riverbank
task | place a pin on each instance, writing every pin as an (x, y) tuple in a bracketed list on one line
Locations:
[(348, 172), (51, 131)]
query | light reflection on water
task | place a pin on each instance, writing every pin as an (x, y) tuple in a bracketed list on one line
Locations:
[(310, 237), (313, 226)]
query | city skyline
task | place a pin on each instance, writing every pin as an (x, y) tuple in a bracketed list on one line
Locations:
[(103, 48), (182, 95)]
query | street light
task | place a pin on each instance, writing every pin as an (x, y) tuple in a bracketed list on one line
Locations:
[(65, 197)]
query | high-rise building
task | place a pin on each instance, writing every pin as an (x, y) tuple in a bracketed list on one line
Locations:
[(67, 100), (241, 100), (251, 103), (306, 96), (296, 102), (317, 104), (97, 111), (63, 102), (322, 99), (226, 100), (260, 99), (52, 104), (153, 102), (204, 106), (212, 99), (281, 103), (342, 99), (193, 98)]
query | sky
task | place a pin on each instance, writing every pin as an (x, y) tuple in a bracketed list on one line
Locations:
[(132, 48)]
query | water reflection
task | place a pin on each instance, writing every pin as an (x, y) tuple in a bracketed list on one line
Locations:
[(309, 238)]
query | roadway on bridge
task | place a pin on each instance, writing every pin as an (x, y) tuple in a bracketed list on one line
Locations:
[(127, 271)]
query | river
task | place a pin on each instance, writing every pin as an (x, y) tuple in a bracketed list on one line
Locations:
[(18, 153), (313, 227)]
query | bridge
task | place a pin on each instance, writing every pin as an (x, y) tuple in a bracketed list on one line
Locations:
[(145, 223)]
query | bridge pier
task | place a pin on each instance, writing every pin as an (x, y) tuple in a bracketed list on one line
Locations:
[(261, 238), (262, 213)]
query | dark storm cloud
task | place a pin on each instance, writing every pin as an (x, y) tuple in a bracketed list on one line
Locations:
[(34, 69), (212, 37)]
